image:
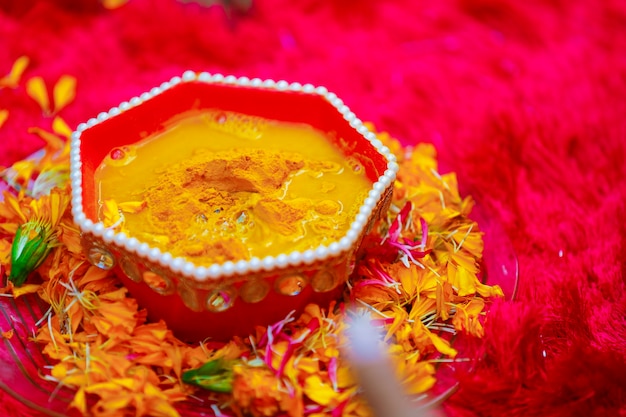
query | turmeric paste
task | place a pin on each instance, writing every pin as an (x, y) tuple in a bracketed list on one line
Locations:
[(213, 192)]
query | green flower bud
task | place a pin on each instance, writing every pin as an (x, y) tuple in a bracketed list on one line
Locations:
[(33, 242), (215, 375)]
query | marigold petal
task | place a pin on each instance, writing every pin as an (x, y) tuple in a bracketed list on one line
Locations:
[(111, 213), (443, 295), (25, 289), (53, 142), (80, 401), (442, 346), (132, 206), (58, 203), (114, 385), (408, 279), (462, 279), (64, 92), (115, 314), (23, 171), (153, 391), (13, 78), (163, 408), (399, 320), (5, 248), (345, 378), (489, 290), (307, 365), (4, 115), (113, 4), (60, 127), (117, 295), (92, 275), (319, 391), (70, 237), (116, 402), (420, 378), (36, 89)]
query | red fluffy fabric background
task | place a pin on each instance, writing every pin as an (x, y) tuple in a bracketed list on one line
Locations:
[(525, 100)]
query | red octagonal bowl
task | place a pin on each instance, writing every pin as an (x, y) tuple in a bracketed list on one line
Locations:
[(231, 298)]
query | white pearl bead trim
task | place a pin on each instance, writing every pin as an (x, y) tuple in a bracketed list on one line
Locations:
[(204, 273)]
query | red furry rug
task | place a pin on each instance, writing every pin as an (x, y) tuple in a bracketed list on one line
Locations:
[(525, 100)]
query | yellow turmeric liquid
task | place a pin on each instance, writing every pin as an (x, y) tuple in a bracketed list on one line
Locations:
[(216, 186)]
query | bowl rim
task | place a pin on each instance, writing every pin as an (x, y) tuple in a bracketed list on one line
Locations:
[(201, 273)]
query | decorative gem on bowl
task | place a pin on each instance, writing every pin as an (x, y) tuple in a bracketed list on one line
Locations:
[(224, 203)]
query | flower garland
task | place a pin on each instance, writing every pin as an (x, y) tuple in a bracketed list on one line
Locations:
[(418, 279)]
